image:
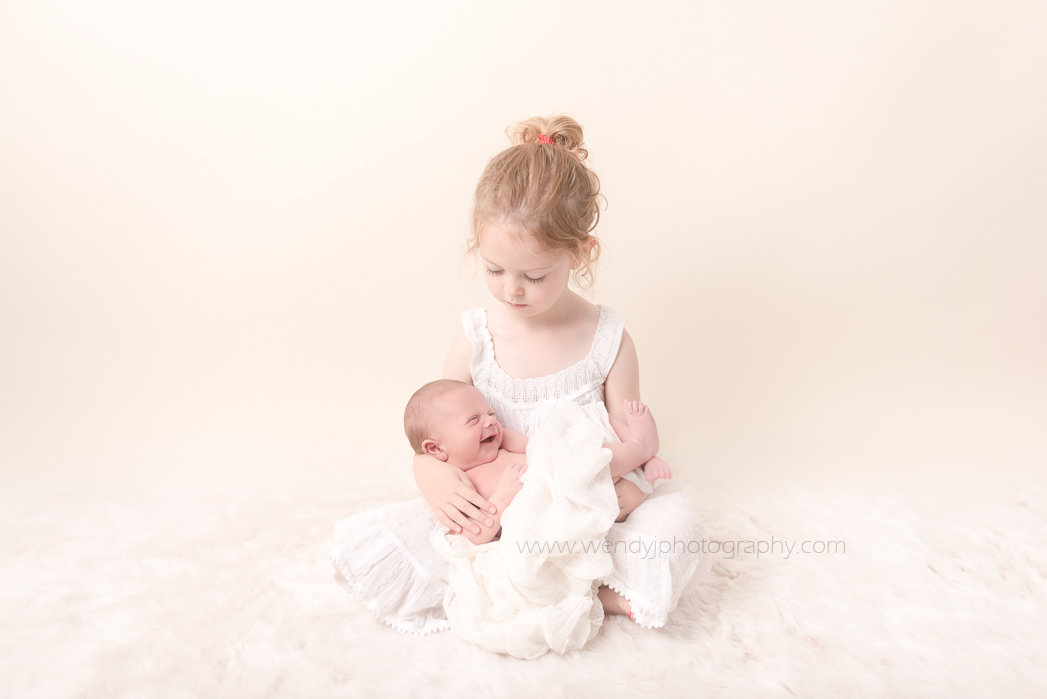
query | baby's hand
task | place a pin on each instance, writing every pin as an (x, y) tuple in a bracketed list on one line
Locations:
[(509, 481), (657, 468)]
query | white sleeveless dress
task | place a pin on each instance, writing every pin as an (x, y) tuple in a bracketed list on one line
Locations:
[(520, 404), (386, 557)]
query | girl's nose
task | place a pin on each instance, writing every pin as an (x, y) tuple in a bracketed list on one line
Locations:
[(514, 288)]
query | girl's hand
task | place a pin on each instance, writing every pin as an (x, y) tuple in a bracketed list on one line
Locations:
[(451, 495)]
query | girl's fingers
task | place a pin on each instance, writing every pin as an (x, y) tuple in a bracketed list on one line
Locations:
[(477, 500), (471, 516), (447, 522), (467, 508), (467, 491), (461, 520)]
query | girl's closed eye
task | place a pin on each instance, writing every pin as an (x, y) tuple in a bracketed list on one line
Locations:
[(535, 280), (494, 272)]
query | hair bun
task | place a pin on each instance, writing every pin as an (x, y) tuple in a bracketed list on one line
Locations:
[(563, 130)]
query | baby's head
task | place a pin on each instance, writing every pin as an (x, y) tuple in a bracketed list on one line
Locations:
[(453, 422), (541, 188)]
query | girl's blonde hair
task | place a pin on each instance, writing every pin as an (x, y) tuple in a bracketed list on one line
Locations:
[(546, 188)]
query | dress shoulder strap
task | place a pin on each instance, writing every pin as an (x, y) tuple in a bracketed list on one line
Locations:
[(608, 339), (474, 322)]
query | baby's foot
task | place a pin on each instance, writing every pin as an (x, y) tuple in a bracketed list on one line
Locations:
[(642, 429), (657, 468)]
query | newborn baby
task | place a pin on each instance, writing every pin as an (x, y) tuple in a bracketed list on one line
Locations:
[(451, 421)]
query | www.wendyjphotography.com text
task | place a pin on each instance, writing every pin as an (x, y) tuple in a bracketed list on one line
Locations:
[(652, 548)]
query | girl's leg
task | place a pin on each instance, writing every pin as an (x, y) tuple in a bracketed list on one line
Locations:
[(613, 603), (658, 554)]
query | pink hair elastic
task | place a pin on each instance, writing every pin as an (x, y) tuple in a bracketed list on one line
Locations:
[(542, 138)]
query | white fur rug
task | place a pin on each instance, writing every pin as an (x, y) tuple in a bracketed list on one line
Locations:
[(114, 593)]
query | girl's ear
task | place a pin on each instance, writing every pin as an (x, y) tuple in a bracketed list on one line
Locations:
[(432, 448), (584, 251)]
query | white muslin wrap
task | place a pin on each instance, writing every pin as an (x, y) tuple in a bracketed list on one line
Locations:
[(535, 589)]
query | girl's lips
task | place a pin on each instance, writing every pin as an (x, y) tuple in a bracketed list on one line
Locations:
[(514, 305)]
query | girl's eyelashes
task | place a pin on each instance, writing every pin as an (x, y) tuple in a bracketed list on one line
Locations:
[(533, 280)]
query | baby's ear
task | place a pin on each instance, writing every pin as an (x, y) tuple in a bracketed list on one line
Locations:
[(432, 448)]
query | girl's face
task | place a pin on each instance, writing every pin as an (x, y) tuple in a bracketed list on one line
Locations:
[(524, 276)]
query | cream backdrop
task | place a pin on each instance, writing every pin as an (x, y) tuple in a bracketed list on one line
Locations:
[(232, 232)]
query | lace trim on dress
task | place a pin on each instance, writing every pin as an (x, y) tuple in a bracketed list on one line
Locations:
[(570, 382), (641, 615), (384, 556)]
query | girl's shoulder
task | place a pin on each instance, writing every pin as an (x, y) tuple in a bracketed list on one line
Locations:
[(459, 357)]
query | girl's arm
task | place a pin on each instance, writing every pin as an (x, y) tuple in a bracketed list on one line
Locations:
[(451, 495), (623, 383), (456, 366), (623, 380), (448, 490)]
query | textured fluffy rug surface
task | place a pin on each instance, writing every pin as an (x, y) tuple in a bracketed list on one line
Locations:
[(229, 593)]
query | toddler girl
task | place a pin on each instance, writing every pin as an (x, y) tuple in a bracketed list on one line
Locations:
[(536, 206)]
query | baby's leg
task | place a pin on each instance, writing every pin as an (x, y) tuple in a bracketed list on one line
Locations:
[(629, 497), (639, 439)]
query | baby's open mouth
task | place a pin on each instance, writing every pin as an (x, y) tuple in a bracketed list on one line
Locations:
[(488, 440)]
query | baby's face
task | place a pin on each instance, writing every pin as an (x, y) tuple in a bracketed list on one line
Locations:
[(467, 428)]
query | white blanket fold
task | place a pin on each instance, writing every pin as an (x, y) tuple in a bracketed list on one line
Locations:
[(534, 590)]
